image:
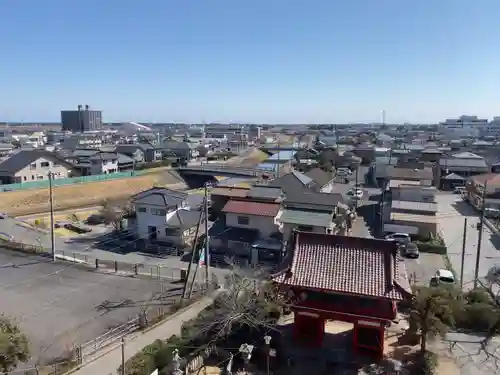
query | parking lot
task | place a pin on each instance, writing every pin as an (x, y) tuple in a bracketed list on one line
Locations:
[(61, 305)]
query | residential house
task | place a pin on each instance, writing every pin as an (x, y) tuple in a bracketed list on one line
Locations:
[(412, 209), (82, 140), (484, 187), (366, 152), (219, 196), (135, 151), (464, 164), (323, 179), (154, 208), (33, 165), (6, 148), (292, 182), (182, 225), (424, 176), (103, 163), (178, 152), (249, 232)]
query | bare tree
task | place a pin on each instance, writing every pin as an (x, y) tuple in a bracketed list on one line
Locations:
[(431, 313), (247, 300), (114, 212)]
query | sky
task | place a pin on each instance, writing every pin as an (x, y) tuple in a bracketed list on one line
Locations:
[(259, 61)]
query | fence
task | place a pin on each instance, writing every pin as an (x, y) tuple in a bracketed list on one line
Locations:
[(155, 271), (59, 368), (65, 181)]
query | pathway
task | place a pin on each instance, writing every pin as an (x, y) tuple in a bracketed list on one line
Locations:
[(109, 362)]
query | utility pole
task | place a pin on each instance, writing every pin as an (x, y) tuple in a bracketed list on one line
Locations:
[(52, 234), (194, 251), (464, 240), (356, 190), (207, 241), (123, 356), (480, 237)]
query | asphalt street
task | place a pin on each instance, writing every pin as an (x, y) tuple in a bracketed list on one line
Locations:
[(452, 212)]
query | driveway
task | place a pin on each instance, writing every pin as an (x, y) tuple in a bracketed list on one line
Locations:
[(422, 269), (452, 212)]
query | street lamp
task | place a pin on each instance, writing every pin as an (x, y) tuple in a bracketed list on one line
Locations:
[(267, 340)]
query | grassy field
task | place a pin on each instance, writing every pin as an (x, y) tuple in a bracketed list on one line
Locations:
[(26, 202)]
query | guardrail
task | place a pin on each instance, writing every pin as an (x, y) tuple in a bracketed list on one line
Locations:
[(255, 172)]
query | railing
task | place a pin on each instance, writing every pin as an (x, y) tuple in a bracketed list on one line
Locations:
[(226, 168), (88, 349)]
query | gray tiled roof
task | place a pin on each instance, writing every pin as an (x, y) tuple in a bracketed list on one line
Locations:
[(463, 162), (265, 192), (320, 176), (161, 196), (313, 201), (104, 156), (352, 265), (298, 217)]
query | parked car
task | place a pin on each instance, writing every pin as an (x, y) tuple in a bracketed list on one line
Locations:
[(399, 237), (410, 250), (444, 277), (459, 190), (355, 193)]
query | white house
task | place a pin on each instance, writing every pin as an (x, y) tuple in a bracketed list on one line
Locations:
[(103, 163), (154, 208)]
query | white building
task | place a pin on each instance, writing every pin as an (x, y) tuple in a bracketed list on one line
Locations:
[(103, 163), (464, 126), (154, 208), (493, 128)]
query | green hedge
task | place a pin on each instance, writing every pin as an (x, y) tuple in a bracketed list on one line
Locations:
[(430, 247)]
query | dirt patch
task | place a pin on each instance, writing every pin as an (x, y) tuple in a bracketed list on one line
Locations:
[(26, 202)]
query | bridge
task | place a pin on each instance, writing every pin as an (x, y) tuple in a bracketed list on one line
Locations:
[(223, 170)]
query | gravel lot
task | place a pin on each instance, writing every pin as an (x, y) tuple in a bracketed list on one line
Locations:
[(60, 305)]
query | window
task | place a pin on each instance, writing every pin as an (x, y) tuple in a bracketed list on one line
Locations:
[(25, 178), (39, 177), (142, 209), (44, 164), (32, 177), (243, 220), (158, 212), (33, 166)]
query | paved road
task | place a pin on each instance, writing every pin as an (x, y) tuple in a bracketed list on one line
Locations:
[(21, 232), (109, 363), (452, 211)]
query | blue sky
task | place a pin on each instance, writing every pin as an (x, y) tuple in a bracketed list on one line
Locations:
[(250, 61)]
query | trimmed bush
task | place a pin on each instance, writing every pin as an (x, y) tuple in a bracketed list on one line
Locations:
[(433, 247)]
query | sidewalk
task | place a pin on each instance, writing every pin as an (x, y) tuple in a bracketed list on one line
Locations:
[(109, 363)]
